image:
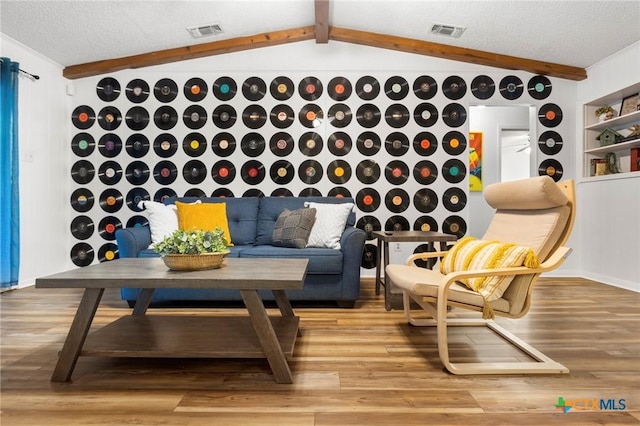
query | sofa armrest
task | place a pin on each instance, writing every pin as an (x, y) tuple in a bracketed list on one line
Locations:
[(132, 240), (352, 246)]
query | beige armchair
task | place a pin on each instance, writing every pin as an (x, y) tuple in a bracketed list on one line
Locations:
[(535, 213)]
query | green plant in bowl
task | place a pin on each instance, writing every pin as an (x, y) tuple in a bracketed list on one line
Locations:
[(192, 242)]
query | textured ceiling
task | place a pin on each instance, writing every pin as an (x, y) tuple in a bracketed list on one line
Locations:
[(576, 33)]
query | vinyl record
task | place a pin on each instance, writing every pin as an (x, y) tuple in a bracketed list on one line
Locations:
[(422, 248), (310, 144), (368, 200), (454, 171), (310, 192), (223, 144), (165, 117), (425, 200), (194, 172), (396, 88), (454, 143), (368, 115), (137, 145), (396, 172), (108, 89), (425, 172), (224, 116), (83, 144), (397, 200), (425, 144), (194, 144), (368, 171), (454, 87), (83, 117), (539, 87), (137, 118), (511, 87), (135, 196), (110, 172), (225, 88), (254, 116), (454, 199), (82, 254), (110, 145), (397, 116), (310, 172), (397, 223), (253, 172), (550, 115), (310, 88), (311, 116), (108, 252), (281, 144), (282, 116), (339, 192), (82, 172), (550, 142), (194, 117), (425, 87), (282, 172), (165, 172), (425, 224), (339, 89), (368, 143), (551, 167), (164, 193), (195, 89), (254, 88), (137, 173), (82, 200), (483, 87), (339, 115), (339, 143), (223, 172), (454, 225), (339, 172), (454, 115), (137, 91), (194, 193), (425, 114), (222, 193), (137, 221), (281, 192), (369, 224), (82, 227), (281, 88), (165, 145), (165, 90), (369, 255), (397, 144), (109, 118), (111, 200), (252, 144), (367, 88)]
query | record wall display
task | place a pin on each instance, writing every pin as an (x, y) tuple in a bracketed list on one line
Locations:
[(82, 172), (82, 227), (551, 167), (454, 115), (137, 118), (339, 143), (111, 200), (311, 116), (82, 200), (310, 88), (425, 200), (254, 116), (397, 223), (483, 87), (282, 116), (454, 225), (369, 224), (194, 172), (310, 172), (165, 145), (195, 89), (164, 193), (224, 116), (137, 145), (82, 254), (369, 256), (310, 144), (397, 144), (108, 252), (110, 145), (83, 117), (454, 87), (454, 171), (425, 144), (425, 87), (339, 172), (550, 115), (425, 114), (165, 90), (225, 88), (454, 199), (252, 172), (137, 91), (282, 88), (368, 171), (511, 87), (281, 144), (539, 87), (396, 88), (223, 144), (252, 144), (110, 172), (83, 144), (109, 118), (367, 88), (194, 117), (396, 172), (339, 192), (195, 193), (137, 173), (165, 117), (194, 144), (223, 172), (425, 223), (550, 142), (282, 172), (281, 192), (368, 200), (339, 115), (454, 143), (397, 201), (368, 115), (368, 143), (425, 172), (310, 192), (108, 89), (222, 193), (135, 197), (137, 222), (165, 172), (397, 116), (339, 89)]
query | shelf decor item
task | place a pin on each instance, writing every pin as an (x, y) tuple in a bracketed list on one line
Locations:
[(630, 104), (608, 137), (605, 113), (193, 250), (611, 163)]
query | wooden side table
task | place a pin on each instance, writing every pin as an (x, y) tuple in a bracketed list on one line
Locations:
[(386, 237)]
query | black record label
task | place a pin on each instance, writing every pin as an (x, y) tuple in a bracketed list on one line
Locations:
[(369, 224), (454, 199), (339, 192), (164, 193), (195, 193), (454, 225), (310, 172), (368, 200), (281, 88), (425, 172), (109, 118), (282, 172), (281, 144), (511, 87), (82, 227), (194, 144), (224, 116), (454, 115), (425, 200), (83, 144), (311, 116), (454, 143), (165, 172), (483, 87), (252, 144), (253, 172), (82, 200), (339, 143), (281, 192), (550, 115), (339, 89), (108, 252), (194, 172), (550, 142), (368, 143), (83, 117), (137, 118), (165, 145), (310, 88), (108, 89), (110, 145), (110, 172), (368, 171), (135, 197), (454, 87), (195, 89), (396, 172), (282, 116), (368, 115), (137, 173), (82, 172), (396, 88), (223, 172), (225, 88), (397, 115), (551, 167), (367, 88), (82, 254), (397, 144), (194, 116), (111, 200), (425, 114), (425, 144), (397, 201), (310, 144), (425, 224), (222, 193), (165, 117), (339, 172), (539, 87), (137, 91), (339, 115), (369, 255), (454, 171), (254, 116), (165, 90), (223, 144), (137, 145), (254, 88), (396, 223), (310, 192), (425, 87), (137, 221)]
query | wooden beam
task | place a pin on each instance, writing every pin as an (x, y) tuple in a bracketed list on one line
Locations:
[(456, 53), (322, 21), (190, 52)]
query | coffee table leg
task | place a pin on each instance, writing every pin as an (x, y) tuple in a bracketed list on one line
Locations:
[(142, 301), (283, 304), (77, 334), (267, 336)]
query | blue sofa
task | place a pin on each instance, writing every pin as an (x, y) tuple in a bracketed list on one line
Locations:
[(332, 275)]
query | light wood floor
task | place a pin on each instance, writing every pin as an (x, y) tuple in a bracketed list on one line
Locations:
[(361, 366)]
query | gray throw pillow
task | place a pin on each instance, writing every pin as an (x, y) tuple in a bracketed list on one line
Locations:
[(293, 227)]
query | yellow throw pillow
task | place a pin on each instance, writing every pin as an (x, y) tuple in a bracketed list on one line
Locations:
[(203, 216)]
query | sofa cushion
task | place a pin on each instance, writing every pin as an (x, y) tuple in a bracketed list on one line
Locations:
[(203, 216), (329, 226), (321, 261), (163, 220), (293, 227)]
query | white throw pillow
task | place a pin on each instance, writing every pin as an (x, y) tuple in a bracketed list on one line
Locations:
[(331, 220), (163, 220)]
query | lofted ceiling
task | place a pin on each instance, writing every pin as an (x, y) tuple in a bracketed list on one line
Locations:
[(575, 33)]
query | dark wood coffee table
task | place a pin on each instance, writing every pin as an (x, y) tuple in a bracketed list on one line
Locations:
[(194, 336)]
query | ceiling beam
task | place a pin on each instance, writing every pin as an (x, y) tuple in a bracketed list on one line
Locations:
[(456, 53), (322, 21), (190, 52)]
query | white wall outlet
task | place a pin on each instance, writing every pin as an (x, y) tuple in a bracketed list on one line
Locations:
[(396, 247)]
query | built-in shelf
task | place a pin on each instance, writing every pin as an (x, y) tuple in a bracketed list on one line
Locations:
[(623, 146)]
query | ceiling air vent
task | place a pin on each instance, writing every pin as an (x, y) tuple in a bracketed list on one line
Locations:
[(447, 30), (205, 30)]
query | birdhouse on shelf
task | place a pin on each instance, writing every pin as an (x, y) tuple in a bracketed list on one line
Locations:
[(608, 137)]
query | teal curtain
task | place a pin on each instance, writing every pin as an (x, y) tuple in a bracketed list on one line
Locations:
[(9, 196)]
